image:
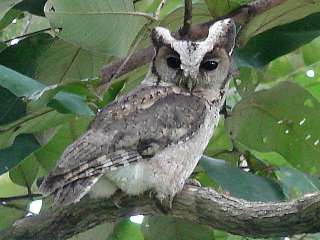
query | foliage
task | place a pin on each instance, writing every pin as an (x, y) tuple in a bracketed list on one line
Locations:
[(267, 148)]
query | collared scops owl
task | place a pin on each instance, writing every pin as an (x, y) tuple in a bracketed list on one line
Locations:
[(152, 138)]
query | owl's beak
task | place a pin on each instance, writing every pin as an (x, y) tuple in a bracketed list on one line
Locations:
[(188, 83)]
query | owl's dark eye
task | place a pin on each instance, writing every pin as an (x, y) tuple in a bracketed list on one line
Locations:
[(173, 62), (209, 65)]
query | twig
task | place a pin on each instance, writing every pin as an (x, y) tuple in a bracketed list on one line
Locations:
[(187, 21), (20, 197), (157, 12), (27, 35)]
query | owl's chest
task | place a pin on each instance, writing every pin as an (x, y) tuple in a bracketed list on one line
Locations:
[(170, 167), (178, 160)]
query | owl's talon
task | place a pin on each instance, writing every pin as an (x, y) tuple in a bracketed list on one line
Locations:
[(164, 204), (116, 198), (193, 182)]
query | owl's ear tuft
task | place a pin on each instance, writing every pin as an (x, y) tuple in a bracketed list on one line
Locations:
[(224, 34), (161, 36)]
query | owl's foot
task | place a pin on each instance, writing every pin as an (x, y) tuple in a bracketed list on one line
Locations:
[(193, 182), (164, 203), (117, 197)]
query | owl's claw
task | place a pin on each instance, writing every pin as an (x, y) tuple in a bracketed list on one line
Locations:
[(193, 182), (164, 203), (116, 198)]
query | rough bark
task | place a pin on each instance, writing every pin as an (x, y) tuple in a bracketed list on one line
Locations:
[(200, 205), (143, 56)]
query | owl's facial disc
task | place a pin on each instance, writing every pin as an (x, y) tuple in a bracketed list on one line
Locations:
[(194, 63)]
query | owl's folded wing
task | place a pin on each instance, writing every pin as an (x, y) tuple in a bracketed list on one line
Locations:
[(127, 131)]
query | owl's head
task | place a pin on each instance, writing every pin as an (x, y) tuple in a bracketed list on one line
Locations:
[(193, 64)]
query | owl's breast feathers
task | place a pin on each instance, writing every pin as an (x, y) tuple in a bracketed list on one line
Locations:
[(134, 128)]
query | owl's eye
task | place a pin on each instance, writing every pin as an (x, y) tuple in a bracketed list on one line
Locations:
[(209, 65), (173, 62)]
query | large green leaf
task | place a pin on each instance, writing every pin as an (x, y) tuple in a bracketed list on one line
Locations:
[(239, 183), (19, 84), (64, 135), (220, 141), (32, 6), (11, 107), (295, 183), (32, 123), (25, 173), (219, 8), (105, 25), (257, 52), (126, 230), (288, 11), (6, 5), (3, 46), (52, 61), (283, 119), (9, 17), (10, 214), (175, 229), (22, 147), (23, 86), (12, 210)]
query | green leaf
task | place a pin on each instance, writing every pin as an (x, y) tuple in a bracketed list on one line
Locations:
[(10, 215), (12, 210), (6, 5), (25, 173), (111, 93), (220, 141), (288, 37), (64, 135), (18, 84), (93, 33), (22, 85), (32, 123), (70, 103), (289, 11), (239, 183), (219, 8), (153, 229), (52, 61), (126, 230), (13, 155), (11, 107), (295, 183), (3, 46), (32, 6), (282, 119), (9, 17), (8, 188), (31, 48)]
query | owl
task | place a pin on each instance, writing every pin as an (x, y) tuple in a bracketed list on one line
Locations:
[(152, 138)]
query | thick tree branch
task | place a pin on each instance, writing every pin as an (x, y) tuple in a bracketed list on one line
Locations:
[(201, 205), (241, 16)]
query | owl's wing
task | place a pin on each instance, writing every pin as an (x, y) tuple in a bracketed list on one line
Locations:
[(131, 129)]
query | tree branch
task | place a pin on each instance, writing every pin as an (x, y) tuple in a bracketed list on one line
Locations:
[(200, 205), (141, 57)]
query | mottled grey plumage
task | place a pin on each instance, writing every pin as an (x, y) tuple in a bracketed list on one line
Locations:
[(152, 138)]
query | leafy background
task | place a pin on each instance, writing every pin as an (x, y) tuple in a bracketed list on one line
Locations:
[(266, 148)]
